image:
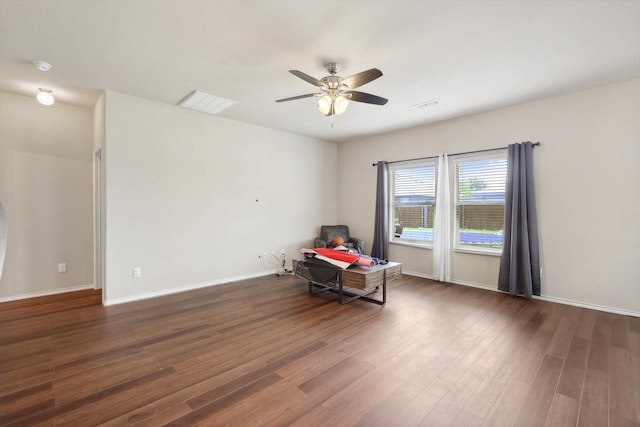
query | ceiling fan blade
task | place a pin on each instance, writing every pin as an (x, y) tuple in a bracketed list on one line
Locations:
[(366, 97), (308, 78), (309, 95), (362, 78)]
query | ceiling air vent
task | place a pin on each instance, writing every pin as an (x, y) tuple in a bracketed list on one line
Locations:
[(427, 104), (206, 103)]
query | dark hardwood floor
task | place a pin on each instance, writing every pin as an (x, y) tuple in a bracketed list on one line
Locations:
[(264, 352)]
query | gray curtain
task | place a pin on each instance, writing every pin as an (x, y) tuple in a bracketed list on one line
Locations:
[(520, 261), (380, 247)]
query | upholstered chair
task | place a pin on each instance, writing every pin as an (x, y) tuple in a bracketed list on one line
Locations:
[(328, 232)]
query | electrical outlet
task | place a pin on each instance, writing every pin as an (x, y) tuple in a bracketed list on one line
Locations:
[(282, 252), (62, 267), (137, 272)]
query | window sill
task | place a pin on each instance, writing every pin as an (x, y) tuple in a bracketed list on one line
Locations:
[(478, 251), (411, 244)]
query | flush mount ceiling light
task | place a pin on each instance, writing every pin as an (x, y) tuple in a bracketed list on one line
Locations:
[(45, 97), (205, 102), (41, 65), (337, 91)]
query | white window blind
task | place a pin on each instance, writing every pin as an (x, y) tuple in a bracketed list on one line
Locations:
[(480, 184), (413, 194)]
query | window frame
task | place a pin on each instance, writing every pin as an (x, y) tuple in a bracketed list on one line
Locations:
[(453, 167), (391, 204)]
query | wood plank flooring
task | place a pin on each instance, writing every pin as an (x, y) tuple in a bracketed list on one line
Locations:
[(264, 352)]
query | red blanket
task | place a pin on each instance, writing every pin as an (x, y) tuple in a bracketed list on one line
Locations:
[(339, 258), (339, 255)]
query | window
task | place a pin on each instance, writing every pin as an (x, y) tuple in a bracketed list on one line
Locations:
[(480, 184), (413, 197)]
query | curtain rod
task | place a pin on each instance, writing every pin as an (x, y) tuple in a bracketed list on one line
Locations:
[(535, 144)]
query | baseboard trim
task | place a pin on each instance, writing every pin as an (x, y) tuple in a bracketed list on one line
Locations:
[(416, 274), (47, 293), (185, 288), (580, 304), (194, 286), (604, 308)]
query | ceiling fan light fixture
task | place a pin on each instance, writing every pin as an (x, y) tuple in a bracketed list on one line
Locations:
[(331, 104), (324, 104), (340, 104), (45, 97)]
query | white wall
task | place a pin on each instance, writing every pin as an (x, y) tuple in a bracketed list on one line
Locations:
[(587, 188), (46, 190), (193, 199)]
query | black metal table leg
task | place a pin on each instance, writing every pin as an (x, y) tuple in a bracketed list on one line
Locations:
[(384, 287), (364, 295)]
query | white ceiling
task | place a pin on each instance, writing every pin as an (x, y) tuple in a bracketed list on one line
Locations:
[(473, 55)]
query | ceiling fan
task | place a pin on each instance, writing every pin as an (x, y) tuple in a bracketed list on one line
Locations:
[(337, 91)]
